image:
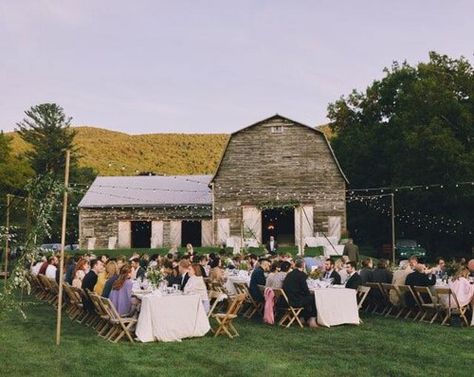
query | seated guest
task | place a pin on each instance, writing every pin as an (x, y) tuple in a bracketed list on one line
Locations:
[(70, 268), (121, 294), (421, 277), (203, 265), (340, 267), (171, 273), (104, 258), (276, 279), (184, 267), (81, 269), (252, 261), (189, 249), (462, 288), (271, 246), (216, 274), (470, 266), (382, 274), (353, 280), (37, 266), (138, 272), (112, 278), (196, 285), (330, 272), (399, 278), (51, 269), (110, 270), (440, 267), (89, 282), (296, 289), (366, 270), (258, 278)]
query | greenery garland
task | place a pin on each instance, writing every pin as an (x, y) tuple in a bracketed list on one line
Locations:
[(45, 193)]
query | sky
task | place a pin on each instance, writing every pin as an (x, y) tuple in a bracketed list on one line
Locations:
[(211, 66)]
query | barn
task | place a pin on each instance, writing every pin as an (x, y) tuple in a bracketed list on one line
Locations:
[(276, 177)]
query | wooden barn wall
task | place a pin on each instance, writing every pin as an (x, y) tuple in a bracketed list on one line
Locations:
[(104, 221), (296, 164)]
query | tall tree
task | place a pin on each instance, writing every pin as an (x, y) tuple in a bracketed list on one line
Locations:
[(48, 130), (415, 126)]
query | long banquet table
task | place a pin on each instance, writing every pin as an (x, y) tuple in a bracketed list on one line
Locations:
[(169, 318), (336, 306)]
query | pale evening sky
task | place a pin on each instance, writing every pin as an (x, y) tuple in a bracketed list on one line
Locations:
[(210, 66)]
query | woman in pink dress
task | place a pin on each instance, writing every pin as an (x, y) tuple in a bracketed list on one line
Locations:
[(462, 288)]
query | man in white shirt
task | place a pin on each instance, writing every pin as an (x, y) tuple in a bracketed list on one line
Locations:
[(51, 269)]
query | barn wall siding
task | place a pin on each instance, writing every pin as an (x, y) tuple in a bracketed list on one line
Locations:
[(104, 221), (260, 166)]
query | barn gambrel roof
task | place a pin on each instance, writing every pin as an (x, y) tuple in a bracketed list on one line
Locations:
[(277, 116), (148, 191)]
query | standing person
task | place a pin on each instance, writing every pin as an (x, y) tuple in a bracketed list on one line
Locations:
[(89, 282), (272, 246), (296, 289), (258, 278), (352, 251)]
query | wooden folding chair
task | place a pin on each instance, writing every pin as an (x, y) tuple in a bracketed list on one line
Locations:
[(84, 314), (71, 307), (103, 324), (401, 300), (376, 298), (224, 320), (427, 303), (404, 291), (49, 295), (120, 326), (40, 292), (389, 307), (362, 293), (291, 313), (253, 306), (441, 293)]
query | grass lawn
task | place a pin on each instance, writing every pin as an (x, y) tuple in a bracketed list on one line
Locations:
[(379, 347)]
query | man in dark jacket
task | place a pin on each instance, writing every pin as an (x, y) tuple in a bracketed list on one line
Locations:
[(258, 278), (353, 278), (330, 272), (296, 288), (366, 270), (382, 274), (89, 282), (271, 246), (421, 277)]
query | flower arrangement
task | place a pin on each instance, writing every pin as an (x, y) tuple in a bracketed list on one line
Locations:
[(154, 275), (243, 266), (315, 274)]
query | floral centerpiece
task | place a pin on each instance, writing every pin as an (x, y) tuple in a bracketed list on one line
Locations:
[(154, 276), (315, 274), (243, 266)]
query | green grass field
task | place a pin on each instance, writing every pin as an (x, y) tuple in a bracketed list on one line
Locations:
[(379, 347)]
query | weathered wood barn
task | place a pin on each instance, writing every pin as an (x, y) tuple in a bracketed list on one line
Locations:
[(146, 212), (276, 177)]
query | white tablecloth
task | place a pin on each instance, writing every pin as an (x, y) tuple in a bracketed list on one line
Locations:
[(231, 279), (171, 318), (336, 306)]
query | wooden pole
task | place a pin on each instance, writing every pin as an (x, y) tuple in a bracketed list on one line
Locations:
[(61, 259), (7, 231), (301, 232), (392, 195)]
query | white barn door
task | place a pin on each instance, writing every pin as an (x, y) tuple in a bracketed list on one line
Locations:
[(156, 234), (304, 223), (252, 223), (175, 233), (334, 227), (124, 234), (206, 233), (223, 231)]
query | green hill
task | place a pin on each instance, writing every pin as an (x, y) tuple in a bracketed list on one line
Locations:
[(117, 153)]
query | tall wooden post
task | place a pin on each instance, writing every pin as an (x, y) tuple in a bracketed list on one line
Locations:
[(392, 196), (301, 232), (63, 242), (7, 239)]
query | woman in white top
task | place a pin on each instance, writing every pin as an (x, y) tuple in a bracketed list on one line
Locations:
[(196, 285), (462, 288)]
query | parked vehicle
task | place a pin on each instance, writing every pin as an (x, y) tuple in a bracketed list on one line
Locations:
[(405, 248)]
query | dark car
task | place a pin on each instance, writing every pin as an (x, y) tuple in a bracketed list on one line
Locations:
[(406, 248)]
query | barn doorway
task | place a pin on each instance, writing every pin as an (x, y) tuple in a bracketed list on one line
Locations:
[(191, 232), (279, 223), (141, 234)]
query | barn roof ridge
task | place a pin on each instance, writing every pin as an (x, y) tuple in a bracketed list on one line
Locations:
[(278, 116)]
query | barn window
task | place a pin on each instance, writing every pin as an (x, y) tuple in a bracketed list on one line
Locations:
[(277, 129)]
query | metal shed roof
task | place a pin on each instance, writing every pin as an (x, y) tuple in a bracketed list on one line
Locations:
[(148, 191)]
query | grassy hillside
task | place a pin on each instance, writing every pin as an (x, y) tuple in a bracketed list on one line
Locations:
[(116, 153)]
